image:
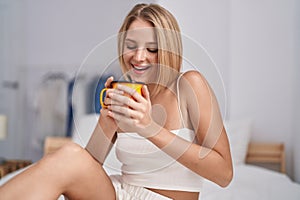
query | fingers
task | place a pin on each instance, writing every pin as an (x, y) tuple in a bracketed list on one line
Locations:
[(120, 99), (132, 113), (137, 102), (108, 81), (146, 92), (108, 100), (127, 107), (126, 112), (123, 121), (133, 93), (107, 84), (126, 89)]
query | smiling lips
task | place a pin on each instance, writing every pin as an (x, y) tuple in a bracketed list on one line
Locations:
[(140, 69)]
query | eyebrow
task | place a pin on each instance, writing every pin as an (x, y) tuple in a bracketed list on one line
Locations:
[(131, 40)]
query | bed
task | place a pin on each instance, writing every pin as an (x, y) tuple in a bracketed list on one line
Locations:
[(250, 182)]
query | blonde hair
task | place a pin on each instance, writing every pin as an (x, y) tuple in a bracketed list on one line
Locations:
[(168, 39)]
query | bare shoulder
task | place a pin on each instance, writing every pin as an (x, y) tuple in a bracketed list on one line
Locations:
[(194, 80), (194, 88)]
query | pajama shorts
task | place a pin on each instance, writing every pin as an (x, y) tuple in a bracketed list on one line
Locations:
[(125, 191)]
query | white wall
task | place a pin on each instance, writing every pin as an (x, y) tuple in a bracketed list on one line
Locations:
[(262, 69), (206, 24), (63, 32), (11, 41), (296, 137)]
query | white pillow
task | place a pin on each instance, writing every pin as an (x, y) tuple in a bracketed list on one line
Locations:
[(83, 128), (238, 132)]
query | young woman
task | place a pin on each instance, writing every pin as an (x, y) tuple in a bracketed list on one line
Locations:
[(168, 139)]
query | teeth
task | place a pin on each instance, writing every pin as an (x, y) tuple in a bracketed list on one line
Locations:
[(141, 68)]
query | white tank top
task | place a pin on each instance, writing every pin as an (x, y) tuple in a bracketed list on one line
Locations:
[(145, 165)]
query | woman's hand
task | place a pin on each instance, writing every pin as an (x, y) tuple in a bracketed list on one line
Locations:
[(132, 114)]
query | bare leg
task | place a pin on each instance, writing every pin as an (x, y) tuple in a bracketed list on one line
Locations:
[(71, 171)]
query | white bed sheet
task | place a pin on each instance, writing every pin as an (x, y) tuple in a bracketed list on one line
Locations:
[(253, 183), (249, 183)]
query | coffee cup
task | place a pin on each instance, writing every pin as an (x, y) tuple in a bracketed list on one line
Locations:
[(137, 86)]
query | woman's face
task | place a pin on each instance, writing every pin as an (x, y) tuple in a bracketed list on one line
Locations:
[(140, 53)]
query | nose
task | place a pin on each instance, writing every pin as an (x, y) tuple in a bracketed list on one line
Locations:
[(140, 54)]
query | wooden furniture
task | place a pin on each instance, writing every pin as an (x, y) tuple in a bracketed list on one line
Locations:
[(267, 153), (54, 143), (12, 165)]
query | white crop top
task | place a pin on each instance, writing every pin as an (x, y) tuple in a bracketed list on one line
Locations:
[(145, 165)]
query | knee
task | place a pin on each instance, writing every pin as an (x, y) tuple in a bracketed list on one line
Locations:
[(70, 149), (73, 153), (70, 154)]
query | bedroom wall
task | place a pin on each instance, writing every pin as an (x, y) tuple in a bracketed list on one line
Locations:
[(296, 155), (64, 32), (263, 63), (55, 36), (205, 24), (252, 43)]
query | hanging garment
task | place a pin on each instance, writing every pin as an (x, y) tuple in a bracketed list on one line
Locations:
[(50, 108)]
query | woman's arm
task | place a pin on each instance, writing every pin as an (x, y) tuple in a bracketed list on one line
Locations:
[(101, 141), (104, 134), (211, 157)]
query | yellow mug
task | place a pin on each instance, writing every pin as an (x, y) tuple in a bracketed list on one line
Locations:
[(137, 86)]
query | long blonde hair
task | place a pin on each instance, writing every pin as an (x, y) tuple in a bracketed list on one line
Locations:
[(168, 39)]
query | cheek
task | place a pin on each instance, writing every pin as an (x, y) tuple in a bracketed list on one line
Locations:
[(127, 57), (153, 58)]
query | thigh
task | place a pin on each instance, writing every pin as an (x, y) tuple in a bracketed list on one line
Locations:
[(84, 176), (71, 171)]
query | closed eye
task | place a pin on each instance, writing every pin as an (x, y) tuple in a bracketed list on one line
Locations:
[(152, 50), (131, 47)]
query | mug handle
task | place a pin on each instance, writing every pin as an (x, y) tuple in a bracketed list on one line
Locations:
[(101, 98)]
